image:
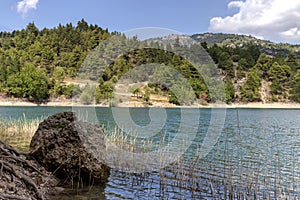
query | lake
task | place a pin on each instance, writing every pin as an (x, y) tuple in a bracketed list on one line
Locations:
[(251, 153)]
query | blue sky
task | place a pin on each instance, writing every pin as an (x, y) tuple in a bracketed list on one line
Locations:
[(268, 19), (187, 16)]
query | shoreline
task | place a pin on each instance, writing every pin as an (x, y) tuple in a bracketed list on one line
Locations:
[(258, 105)]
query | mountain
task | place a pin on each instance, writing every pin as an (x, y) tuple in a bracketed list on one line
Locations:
[(232, 40)]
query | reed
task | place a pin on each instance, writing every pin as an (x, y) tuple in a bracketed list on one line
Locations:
[(18, 133), (21, 127)]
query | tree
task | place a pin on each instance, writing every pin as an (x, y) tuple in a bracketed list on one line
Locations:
[(59, 74), (135, 90), (204, 45), (229, 91), (71, 90), (88, 94), (146, 96), (82, 25), (250, 90), (264, 63), (31, 83), (32, 30), (280, 77), (214, 52), (295, 91), (292, 61), (3, 72), (182, 93), (281, 73), (223, 58), (104, 91)]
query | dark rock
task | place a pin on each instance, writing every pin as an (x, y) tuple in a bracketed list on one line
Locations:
[(23, 179), (71, 150)]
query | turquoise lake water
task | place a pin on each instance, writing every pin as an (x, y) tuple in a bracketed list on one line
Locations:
[(253, 153)]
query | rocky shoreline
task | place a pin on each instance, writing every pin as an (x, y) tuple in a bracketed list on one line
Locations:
[(286, 105), (57, 155), (23, 179)]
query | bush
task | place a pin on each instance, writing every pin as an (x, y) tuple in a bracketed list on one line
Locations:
[(88, 94), (31, 83)]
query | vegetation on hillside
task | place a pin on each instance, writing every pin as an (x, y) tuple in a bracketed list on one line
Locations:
[(235, 40), (34, 63), (41, 64), (247, 67)]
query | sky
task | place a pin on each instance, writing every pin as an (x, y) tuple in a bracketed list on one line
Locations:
[(275, 20)]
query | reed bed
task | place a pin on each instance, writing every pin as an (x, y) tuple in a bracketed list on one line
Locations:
[(226, 173), (18, 133)]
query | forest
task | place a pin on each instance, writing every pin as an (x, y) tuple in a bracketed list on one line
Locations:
[(40, 65)]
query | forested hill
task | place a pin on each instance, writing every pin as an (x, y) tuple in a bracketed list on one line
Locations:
[(259, 70), (39, 65), (34, 63)]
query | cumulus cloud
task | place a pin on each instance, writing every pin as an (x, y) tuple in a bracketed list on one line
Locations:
[(269, 19), (25, 5)]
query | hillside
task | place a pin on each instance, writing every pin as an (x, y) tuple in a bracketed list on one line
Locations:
[(259, 70), (35, 64), (40, 65), (232, 40)]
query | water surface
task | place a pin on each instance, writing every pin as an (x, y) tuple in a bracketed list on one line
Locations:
[(256, 156)]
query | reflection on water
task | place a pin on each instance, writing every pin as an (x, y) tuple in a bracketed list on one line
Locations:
[(21, 143), (95, 193), (256, 157)]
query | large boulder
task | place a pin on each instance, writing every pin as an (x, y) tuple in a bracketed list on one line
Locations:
[(70, 149)]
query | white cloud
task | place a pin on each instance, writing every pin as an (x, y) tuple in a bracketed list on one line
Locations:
[(234, 4), (293, 34), (25, 5), (271, 19)]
